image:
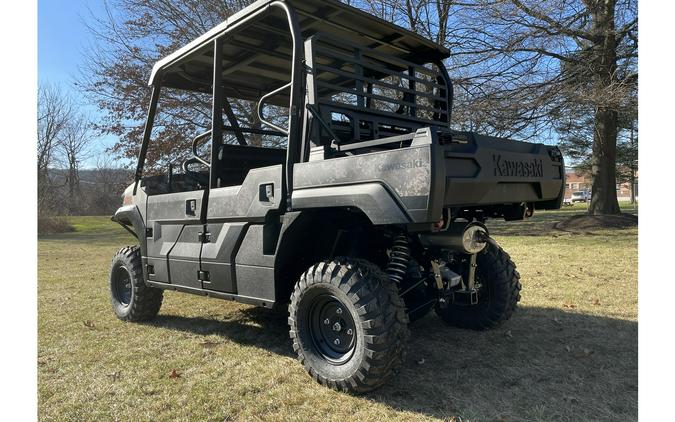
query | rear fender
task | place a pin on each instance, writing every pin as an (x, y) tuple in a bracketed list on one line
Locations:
[(370, 198)]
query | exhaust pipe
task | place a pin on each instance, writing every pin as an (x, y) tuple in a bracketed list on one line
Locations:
[(469, 238)]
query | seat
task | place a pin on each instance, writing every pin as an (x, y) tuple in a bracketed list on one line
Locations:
[(235, 161)]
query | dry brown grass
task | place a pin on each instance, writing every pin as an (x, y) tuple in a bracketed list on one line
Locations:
[(53, 225), (568, 354)]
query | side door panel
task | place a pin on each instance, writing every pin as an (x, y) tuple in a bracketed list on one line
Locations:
[(184, 257), (218, 255), (231, 213), (168, 217), (252, 200), (254, 268)]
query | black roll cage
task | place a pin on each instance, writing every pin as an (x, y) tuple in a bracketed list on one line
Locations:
[(299, 114)]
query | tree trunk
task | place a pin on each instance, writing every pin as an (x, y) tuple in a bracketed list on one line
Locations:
[(632, 166), (603, 170), (73, 185)]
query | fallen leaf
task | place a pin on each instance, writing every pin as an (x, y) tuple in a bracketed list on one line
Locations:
[(556, 320), (569, 305), (174, 374), (508, 333), (568, 348), (421, 361), (89, 324), (596, 302)]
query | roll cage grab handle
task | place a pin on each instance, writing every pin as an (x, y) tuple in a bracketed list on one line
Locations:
[(296, 98)]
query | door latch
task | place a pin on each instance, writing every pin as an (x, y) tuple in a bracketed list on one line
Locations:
[(203, 276), (191, 207), (267, 192), (204, 237)]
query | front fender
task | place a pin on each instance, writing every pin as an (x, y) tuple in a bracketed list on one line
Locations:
[(129, 215)]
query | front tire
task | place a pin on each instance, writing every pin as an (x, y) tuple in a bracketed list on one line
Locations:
[(131, 298), (498, 285), (348, 325)]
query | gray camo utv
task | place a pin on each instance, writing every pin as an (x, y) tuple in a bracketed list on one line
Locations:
[(368, 212)]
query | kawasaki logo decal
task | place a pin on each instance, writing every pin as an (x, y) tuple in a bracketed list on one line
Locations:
[(404, 165), (517, 168)]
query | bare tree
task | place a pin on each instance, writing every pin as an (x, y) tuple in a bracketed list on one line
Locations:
[(110, 180), (132, 35), (565, 60), (73, 149), (522, 68), (527, 68), (54, 113)]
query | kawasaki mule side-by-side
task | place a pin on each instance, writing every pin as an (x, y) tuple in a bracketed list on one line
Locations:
[(357, 206)]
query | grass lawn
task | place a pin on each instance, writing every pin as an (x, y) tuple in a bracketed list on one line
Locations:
[(569, 353)]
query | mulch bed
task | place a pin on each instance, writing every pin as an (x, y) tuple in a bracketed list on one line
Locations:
[(585, 222)]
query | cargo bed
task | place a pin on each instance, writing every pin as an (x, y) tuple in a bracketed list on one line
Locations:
[(412, 178)]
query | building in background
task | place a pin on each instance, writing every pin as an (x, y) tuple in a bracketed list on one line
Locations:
[(582, 181)]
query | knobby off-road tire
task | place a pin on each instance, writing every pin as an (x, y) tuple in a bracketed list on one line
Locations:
[(498, 293), (131, 298), (364, 312)]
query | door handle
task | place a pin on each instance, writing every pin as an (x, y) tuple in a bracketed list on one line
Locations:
[(267, 192), (191, 207)]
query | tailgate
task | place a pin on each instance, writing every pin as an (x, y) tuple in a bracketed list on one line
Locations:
[(484, 170)]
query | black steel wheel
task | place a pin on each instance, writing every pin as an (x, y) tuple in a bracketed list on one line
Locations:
[(348, 325), (332, 328), (131, 298), (120, 285), (498, 287)]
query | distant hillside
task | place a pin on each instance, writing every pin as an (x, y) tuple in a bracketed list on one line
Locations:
[(99, 193), (93, 176)]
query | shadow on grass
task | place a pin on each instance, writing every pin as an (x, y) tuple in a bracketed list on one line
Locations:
[(542, 224), (544, 364), (114, 234), (257, 327)]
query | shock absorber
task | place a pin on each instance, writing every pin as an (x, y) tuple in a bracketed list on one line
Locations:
[(399, 258)]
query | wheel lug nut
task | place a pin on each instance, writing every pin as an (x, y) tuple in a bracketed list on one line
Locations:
[(326, 321), (337, 326), (339, 311), (349, 332), (337, 342)]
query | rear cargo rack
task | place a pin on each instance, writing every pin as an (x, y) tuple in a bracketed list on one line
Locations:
[(364, 94)]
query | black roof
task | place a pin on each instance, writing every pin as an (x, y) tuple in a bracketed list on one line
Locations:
[(257, 53)]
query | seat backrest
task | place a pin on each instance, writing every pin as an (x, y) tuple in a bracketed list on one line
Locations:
[(235, 161)]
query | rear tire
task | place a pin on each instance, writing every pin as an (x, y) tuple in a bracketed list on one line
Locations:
[(498, 294), (348, 325), (131, 298)]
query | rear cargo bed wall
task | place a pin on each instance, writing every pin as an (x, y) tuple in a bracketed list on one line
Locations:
[(491, 171), (390, 187)]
